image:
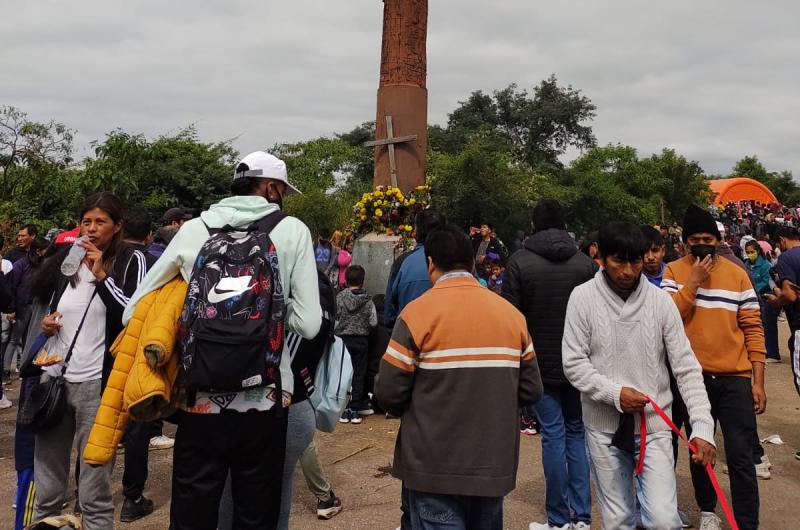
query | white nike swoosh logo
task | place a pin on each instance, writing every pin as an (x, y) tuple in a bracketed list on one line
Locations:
[(229, 287)]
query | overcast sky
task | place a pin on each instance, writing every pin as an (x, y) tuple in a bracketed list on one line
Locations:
[(716, 80)]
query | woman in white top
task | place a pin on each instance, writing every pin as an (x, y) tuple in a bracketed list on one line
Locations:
[(107, 277)]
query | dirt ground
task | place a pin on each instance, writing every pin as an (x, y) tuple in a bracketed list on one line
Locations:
[(356, 459)]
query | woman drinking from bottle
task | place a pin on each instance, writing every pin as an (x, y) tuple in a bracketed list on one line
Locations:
[(85, 318)]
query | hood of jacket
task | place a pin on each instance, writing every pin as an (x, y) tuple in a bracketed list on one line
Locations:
[(553, 244), (354, 299), (238, 211)]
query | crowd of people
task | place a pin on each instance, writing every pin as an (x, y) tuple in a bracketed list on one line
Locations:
[(218, 323)]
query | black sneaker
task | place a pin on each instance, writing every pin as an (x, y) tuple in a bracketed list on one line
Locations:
[(797, 455), (327, 509), (347, 415), (134, 510)]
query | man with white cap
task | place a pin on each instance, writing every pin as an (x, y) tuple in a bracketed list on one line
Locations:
[(239, 434)]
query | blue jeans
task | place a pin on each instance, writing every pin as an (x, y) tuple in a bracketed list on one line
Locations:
[(769, 316), (566, 468), (433, 511), (612, 472)]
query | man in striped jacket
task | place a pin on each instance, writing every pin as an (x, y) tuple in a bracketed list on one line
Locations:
[(722, 319), (458, 367)]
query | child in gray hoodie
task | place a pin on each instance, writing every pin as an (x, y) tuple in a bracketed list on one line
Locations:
[(355, 318)]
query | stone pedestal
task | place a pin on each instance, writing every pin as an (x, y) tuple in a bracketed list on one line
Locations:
[(375, 252)]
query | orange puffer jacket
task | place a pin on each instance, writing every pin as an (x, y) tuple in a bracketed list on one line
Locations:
[(145, 367)]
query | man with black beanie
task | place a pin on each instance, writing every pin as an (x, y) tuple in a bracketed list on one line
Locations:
[(722, 319)]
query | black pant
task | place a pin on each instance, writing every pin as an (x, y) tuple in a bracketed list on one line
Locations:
[(249, 445), (358, 346), (731, 400), (137, 451)]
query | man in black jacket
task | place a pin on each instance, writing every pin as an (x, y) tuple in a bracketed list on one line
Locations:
[(539, 280)]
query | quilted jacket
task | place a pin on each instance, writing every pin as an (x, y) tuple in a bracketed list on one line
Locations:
[(145, 367)]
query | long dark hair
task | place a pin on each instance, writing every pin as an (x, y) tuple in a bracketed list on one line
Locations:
[(110, 204), (37, 245)]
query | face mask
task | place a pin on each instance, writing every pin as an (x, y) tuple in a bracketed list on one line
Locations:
[(701, 251), (752, 256)]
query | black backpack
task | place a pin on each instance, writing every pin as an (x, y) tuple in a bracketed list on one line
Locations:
[(231, 327)]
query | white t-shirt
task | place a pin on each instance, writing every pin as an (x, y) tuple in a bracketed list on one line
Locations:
[(86, 363)]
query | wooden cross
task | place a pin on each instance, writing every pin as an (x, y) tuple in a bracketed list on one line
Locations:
[(390, 142)]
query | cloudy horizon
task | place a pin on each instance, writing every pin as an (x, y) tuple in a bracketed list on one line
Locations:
[(713, 80)]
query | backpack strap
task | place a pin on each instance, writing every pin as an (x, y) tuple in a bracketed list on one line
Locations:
[(270, 221)]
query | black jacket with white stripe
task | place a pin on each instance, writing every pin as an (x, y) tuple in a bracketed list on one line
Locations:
[(130, 269)]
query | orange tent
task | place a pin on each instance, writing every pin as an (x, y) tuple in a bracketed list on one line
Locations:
[(740, 189)]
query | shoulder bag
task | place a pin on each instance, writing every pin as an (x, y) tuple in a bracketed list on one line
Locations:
[(47, 401)]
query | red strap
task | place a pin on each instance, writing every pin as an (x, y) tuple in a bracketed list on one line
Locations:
[(642, 443), (726, 508)]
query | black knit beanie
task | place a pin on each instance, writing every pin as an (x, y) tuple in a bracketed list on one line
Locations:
[(699, 220)]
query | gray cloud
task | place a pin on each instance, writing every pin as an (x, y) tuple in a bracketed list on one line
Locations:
[(715, 80)]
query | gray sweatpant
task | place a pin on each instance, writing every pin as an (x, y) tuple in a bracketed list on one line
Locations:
[(52, 460)]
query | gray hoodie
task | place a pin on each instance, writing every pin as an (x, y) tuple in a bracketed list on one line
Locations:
[(355, 312)]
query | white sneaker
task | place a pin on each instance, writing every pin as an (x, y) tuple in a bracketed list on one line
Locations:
[(580, 525), (161, 442), (709, 521), (685, 523), (766, 462), (546, 526), (762, 471), (5, 403)]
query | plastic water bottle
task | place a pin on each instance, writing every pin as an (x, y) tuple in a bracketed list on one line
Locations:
[(72, 262)]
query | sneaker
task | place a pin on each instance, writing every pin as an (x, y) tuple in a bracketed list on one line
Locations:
[(772, 360), (161, 442), (797, 455), (392, 417), (546, 526), (133, 510), (762, 471), (709, 521), (580, 525), (528, 427), (766, 462), (685, 523), (355, 418), (329, 508), (5, 403), (346, 415), (369, 411)]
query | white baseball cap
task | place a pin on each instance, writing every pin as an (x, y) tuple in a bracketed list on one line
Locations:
[(264, 165)]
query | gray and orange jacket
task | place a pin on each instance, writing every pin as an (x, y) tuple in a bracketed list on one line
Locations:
[(458, 367)]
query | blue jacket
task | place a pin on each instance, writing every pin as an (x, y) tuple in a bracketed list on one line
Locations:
[(760, 271), (410, 283)]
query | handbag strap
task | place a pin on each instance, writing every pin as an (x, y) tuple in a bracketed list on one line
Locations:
[(77, 332)]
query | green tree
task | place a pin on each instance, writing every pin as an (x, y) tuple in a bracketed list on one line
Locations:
[(481, 184), (540, 126), (171, 170), (329, 172), (680, 183)]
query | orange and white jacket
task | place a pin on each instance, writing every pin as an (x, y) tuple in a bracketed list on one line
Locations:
[(722, 317), (458, 367)]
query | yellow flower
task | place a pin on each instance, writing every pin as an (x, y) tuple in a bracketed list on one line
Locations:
[(379, 194), (412, 201), (363, 217), (408, 228), (378, 213), (389, 232)]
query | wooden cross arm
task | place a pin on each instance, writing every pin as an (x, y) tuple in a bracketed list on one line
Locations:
[(389, 141)]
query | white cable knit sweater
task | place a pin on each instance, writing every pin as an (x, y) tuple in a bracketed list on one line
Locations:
[(610, 343)]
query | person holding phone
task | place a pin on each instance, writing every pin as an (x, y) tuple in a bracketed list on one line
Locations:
[(722, 319)]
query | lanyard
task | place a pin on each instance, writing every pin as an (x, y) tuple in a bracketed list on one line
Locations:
[(709, 470)]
